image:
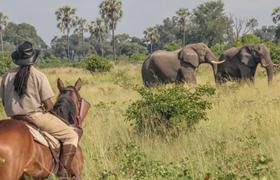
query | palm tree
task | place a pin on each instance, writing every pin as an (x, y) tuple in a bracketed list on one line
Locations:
[(276, 15), (111, 12), (3, 24), (152, 36), (65, 17), (98, 30), (182, 19), (81, 26)]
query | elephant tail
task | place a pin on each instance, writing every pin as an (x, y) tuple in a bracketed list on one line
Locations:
[(147, 72)]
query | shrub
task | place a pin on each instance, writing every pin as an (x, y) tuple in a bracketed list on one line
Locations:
[(5, 63), (274, 52), (136, 57), (96, 63), (166, 109), (247, 39), (171, 46), (218, 49), (134, 163)]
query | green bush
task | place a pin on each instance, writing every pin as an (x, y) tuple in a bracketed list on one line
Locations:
[(95, 63), (136, 57), (218, 49), (5, 63), (169, 109), (247, 39), (274, 51), (171, 46), (134, 163)]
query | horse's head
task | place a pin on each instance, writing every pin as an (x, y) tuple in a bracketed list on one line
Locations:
[(70, 105)]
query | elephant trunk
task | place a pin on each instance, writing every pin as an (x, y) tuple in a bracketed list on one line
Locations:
[(269, 71), (215, 70)]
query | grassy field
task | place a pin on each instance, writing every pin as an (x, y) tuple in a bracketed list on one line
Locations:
[(241, 139)]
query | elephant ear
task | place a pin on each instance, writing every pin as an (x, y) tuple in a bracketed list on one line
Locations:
[(189, 56), (246, 57)]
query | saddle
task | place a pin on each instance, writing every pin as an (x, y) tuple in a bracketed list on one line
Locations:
[(44, 138)]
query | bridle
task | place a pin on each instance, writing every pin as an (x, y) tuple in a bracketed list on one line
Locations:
[(80, 111)]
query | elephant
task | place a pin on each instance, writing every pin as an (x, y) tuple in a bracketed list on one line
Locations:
[(177, 66), (240, 63)]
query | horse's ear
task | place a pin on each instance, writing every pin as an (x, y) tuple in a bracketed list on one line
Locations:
[(60, 85), (78, 84)]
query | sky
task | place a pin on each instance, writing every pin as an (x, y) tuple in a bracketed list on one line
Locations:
[(137, 16)]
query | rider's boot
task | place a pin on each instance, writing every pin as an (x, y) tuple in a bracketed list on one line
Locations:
[(65, 171)]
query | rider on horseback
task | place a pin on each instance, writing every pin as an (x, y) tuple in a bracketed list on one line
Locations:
[(25, 91)]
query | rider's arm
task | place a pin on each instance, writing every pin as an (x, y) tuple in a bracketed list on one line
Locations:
[(48, 105)]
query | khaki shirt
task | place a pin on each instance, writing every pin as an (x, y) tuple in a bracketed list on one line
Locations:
[(38, 90)]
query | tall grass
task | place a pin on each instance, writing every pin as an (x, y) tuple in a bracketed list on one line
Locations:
[(240, 139)]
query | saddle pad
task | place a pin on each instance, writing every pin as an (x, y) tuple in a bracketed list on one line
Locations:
[(39, 137)]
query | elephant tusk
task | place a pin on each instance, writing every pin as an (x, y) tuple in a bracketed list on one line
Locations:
[(276, 65), (264, 65), (218, 62)]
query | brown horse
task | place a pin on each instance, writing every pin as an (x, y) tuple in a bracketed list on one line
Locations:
[(21, 155)]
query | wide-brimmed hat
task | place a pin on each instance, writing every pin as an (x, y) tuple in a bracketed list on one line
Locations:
[(25, 54)]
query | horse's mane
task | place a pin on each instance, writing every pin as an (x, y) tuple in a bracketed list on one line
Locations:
[(65, 108)]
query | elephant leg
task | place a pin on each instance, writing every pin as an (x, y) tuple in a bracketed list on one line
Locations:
[(188, 75), (247, 75)]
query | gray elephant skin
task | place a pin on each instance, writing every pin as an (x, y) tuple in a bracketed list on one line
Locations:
[(177, 66), (240, 64)]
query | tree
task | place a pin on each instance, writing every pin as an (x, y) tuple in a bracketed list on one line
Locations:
[(266, 33), (209, 23), (3, 24), (242, 26), (98, 30), (16, 34), (168, 32), (276, 15), (276, 20), (128, 46), (78, 47), (65, 17), (152, 36), (182, 19), (111, 11), (80, 25)]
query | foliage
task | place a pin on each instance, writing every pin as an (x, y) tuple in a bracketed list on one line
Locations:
[(218, 49), (247, 39), (78, 47), (173, 108), (98, 30), (5, 63), (95, 63), (171, 46), (209, 26), (127, 45), (151, 36), (111, 12), (81, 26), (133, 163), (137, 57), (274, 52), (266, 33), (65, 16), (18, 33), (168, 32), (276, 15), (182, 19)]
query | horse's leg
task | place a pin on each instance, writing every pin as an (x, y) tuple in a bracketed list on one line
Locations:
[(77, 163)]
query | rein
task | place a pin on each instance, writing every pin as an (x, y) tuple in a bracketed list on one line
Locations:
[(81, 106)]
